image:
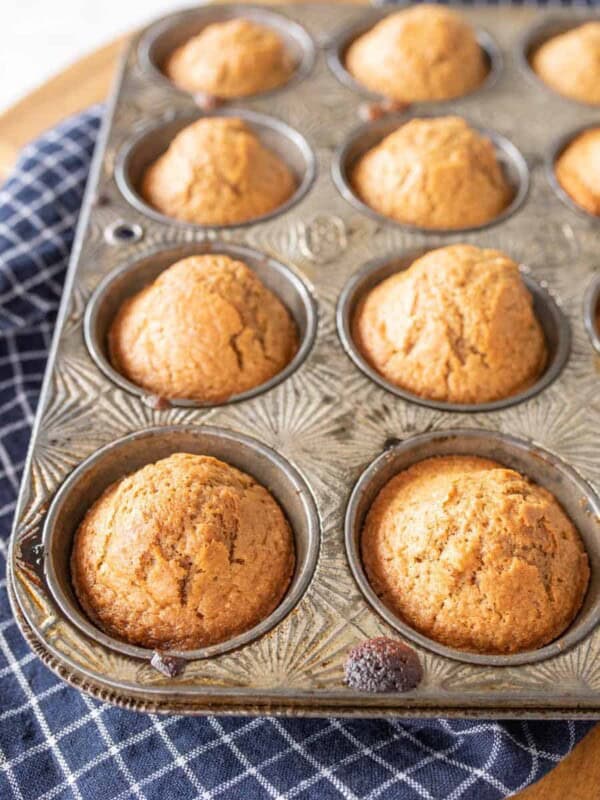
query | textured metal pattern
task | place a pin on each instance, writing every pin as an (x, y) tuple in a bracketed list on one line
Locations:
[(328, 419)]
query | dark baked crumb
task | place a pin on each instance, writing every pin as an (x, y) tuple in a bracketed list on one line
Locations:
[(167, 665), (382, 665)]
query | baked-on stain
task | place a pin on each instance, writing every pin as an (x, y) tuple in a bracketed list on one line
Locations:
[(181, 554), (435, 173), (475, 555), (422, 53), (234, 58), (206, 329), (457, 326), (570, 63), (577, 170), (382, 665), (216, 171)]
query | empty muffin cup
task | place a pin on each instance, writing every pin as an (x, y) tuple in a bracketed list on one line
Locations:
[(575, 495), (554, 152), (591, 312), (339, 44), (87, 482), (165, 36), (129, 279), (367, 136), (554, 324), (149, 144)]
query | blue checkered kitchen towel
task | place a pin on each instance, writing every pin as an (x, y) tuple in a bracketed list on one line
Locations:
[(58, 743)]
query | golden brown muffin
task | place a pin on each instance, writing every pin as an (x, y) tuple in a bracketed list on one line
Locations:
[(217, 172), (475, 556), (426, 52), (206, 329), (235, 58), (458, 326), (181, 554), (435, 173), (570, 63), (578, 170)]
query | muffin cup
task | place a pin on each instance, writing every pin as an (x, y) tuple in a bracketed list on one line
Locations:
[(574, 494), (539, 33), (145, 147), (369, 135), (132, 277), (169, 33), (591, 311), (554, 152), (339, 44), (554, 324), (87, 482)]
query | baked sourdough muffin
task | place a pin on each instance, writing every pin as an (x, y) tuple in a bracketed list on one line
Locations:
[(578, 170), (181, 554), (475, 556), (435, 173), (217, 172), (205, 329), (228, 59), (457, 326), (422, 53), (570, 63)]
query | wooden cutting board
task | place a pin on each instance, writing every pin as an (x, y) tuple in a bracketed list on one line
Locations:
[(88, 81)]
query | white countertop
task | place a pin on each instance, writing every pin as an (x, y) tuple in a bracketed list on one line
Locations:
[(42, 37)]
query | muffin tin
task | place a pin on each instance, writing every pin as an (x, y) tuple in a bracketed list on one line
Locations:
[(326, 433)]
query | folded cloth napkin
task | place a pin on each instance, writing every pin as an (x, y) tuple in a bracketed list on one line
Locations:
[(58, 743)]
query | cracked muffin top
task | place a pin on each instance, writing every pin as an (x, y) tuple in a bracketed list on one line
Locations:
[(435, 173), (475, 555), (578, 170), (570, 63), (205, 329), (228, 59), (422, 53), (457, 326), (217, 172), (181, 554)]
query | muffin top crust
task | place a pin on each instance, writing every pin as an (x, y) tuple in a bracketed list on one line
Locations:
[(457, 326), (182, 554), (216, 171), (234, 58), (205, 329), (475, 555), (435, 173), (578, 170), (570, 63), (425, 52)]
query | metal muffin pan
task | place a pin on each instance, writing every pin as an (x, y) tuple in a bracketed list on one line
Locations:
[(575, 495), (339, 44), (86, 483), (543, 29), (554, 324), (128, 279), (369, 135), (322, 422), (591, 311), (163, 38), (553, 154), (149, 144)]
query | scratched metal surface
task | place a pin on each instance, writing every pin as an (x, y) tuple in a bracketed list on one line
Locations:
[(328, 419)]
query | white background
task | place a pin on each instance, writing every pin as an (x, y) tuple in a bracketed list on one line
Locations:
[(41, 37)]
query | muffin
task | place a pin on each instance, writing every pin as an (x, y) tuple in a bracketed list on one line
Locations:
[(205, 329), (217, 172), (570, 63), (235, 58), (577, 170), (435, 173), (475, 555), (181, 554), (422, 53), (457, 326)]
